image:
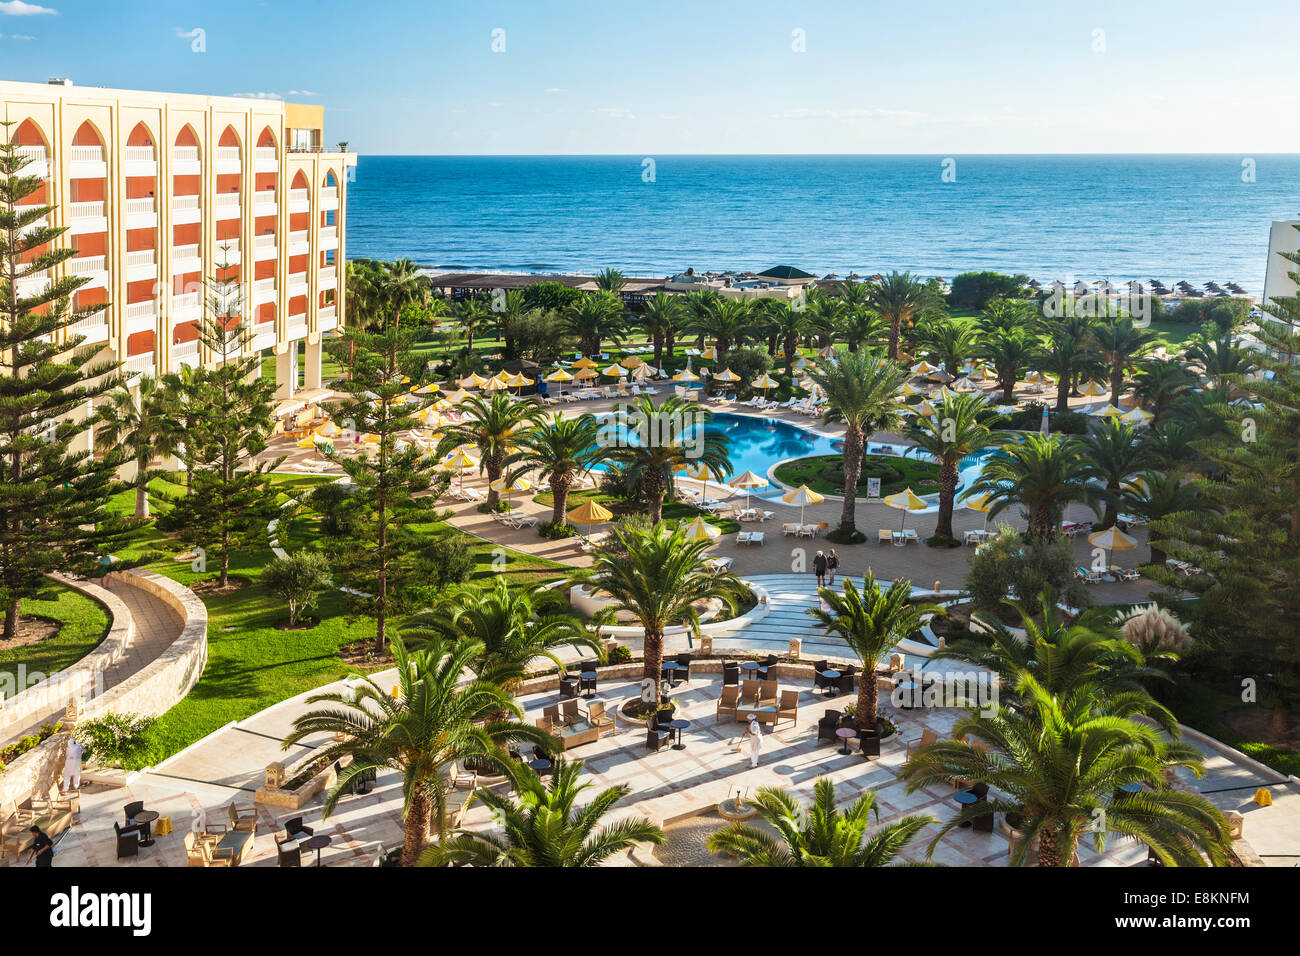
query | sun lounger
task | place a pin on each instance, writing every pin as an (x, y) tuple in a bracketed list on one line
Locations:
[(1125, 574), (790, 528), (750, 537), (909, 534), (807, 530), (720, 564)]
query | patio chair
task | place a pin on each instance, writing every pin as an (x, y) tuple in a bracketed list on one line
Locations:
[(458, 778), (789, 527), (927, 737), (789, 706), (820, 682), (845, 682), (572, 712), (884, 536), (597, 717), (749, 690), (728, 703), (286, 854), (730, 673), (767, 692), (826, 727), (772, 661), (130, 810), (128, 840), (684, 666), (655, 739), (568, 687), (295, 826), (869, 743), (242, 817)]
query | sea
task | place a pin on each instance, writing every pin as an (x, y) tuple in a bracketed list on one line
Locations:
[(1198, 218)]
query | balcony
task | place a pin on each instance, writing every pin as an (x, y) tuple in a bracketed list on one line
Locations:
[(329, 198), (297, 327), (31, 227), (264, 203), (263, 336), (186, 161), (263, 292), (299, 201), (185, 210), (142, 364), (87, 218), (298, 244), (187, 306), (327, 319), (297, 285), (141, 317), (265, 160), (227, 206), (329, 238), (328, 278), (141, 264), (94, 327), (263, 248), (38, 161), (186, 259), (184, 353), (139, 161), (29, 286), (92, 268), (228, 160), (227, 254), (86, 162), (141, 213)]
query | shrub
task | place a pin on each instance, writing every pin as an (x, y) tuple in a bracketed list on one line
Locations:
[(330, 500), (619, 654), (299, 579), (1010, 564), (749, 363), (1070, 423), (973, 290), (114, 739), (553, 532), (840, 536)]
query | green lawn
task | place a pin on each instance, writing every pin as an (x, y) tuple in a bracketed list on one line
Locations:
[(673, 510), (252, 664), (897, 473), (83, 625), (1202, 706)]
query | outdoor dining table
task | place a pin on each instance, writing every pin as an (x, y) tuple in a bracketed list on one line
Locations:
[(143, 819), (670, 668), (845, 734), (750, 666), (318, 842), (831, 677), (679, 725), (588, 679), (965, 799)]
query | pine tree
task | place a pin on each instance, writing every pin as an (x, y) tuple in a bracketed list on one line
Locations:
[(53, 500), (230, 498), (390, 567), (1249, 598)]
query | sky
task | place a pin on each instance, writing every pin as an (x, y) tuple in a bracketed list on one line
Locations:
[(667, 77)]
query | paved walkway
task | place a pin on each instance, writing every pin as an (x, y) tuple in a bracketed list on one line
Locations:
[(156, 626)]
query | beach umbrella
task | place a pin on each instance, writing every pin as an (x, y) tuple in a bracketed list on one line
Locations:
[(632, 362), (939, 376), (473, 380), (686, 375), (584, 362), (765, 382), (800, 362), (748, 480), (506, 487), (907, 391), (614, 371), (559, 375), (827, 352), (1137, 416), (515, 381), (328, 430), (590, 513), (726, 375), (427, 389), (965, 385), (585, 375), (308, 442), (1112, 539), (459, 461), (905, 501), (803, 496), (700, 530), (1110, 411), (323, 443), (926, 410), (1035, 377), (1093, 389), (709, 354), (981, 503), (457, 396), (495, 385), (924, 368), (643, 371)]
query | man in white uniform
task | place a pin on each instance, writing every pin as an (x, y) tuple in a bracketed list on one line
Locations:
[(755, 744), (72, 766)]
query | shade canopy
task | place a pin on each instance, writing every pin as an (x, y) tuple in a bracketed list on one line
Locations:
[(1112, 539), (905, 501), (632, 361), (686, 375), (473, 380), (559, 375), (924, 368), (765, 381), (827, 352), (590, 513), (748, 480), (585, 374), (700, 530), (726, 375), (584, 362), (709, 354), (507, 487), (803, 496), (614, 371), (1093, 389), (459, 461), (1110, 411)]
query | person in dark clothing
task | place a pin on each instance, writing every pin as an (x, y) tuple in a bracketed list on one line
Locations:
[(42, 849), (819, 568), (832, 564)]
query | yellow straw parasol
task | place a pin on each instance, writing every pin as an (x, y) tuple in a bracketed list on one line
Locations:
[(473, 380), (765, 382), (905, 501), (559, 375), (1137, 416), (632, 362), (748, 480), (1093, 389), (643, 371), (924, 368), (457, 396), (827, 352), (803, 496), (709, 354), (494, 385), (590, 513), (428, 389), (585, 375), (1110, 411), (701, 530), (686, 375), (584, 362), (614, 371)]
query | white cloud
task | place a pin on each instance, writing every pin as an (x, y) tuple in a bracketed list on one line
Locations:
[(258, 96), (303, 93), (16, 36), (850, 113), (17, 8)]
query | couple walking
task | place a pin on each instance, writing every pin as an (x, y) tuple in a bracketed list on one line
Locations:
[(824, 566)]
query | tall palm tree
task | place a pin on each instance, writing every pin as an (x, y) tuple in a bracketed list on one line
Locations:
[(1219, 357), (1120, 344), (1009, 351), (697, 304), (862, 392), (861, 326), (1066, 356), (1157, 495), (789, 325), (949, 342), (474, 316), (561, 450), (823, 835), (657, 577), (1113, 455), (825, 315), (870, 622), (491, 425), (542, 827), (898, 298), (1061, 763), (1043, 474), (142, 422), (610, 280), (676, 439), (1170, 445), (959, 427), (663, 318), (728, 322), (1159, 383), (400, 284), (594, 318), (435, 720)]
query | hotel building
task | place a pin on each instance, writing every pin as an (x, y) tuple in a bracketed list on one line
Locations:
[(162, 193)]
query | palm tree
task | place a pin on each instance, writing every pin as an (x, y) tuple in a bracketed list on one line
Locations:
[(1066, 356), (825, 315), (676, 438), (949, 342), (657, 577), (561, 449), (958, 428), (610, 280), (1170, 445), (1009, 351), (862, 392), (142, 422), (662, 318), (1160, 382), (1043, 474), (1113, 456), (1120, 344), (400, 284), (789, 325), (434, 721), (542, 827), (1061, 763), (823, 835), (728, 322), (491, 425), (898, 298), (861, 326), (474, 316), (593, 318), (1156, 495), (1219, 357), (870, 622)]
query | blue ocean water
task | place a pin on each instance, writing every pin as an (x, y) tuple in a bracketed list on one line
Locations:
[(1088, 217)]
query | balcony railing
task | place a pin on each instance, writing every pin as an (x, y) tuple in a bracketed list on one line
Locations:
[(263, 291), (86, 154), (298, 242), (186, 259), (87, 265), (185, 209), (144, 207), (142, 364), (143, 310), (265, 159), (327, 318), (94, 327), (186, 304), (299, 200), (86, 210), (228, 206), (38, 161), (228, 253), (184, 353), (138, 154), (228, 155), (185, 154), (328, 277)]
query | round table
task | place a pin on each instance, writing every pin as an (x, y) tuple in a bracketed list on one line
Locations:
[(589, 677), (1134, 787), (846, 734), (144, 818), (831, 676), (965, 799), (318, 842), (749, 667), (679, 725), (540, 765)]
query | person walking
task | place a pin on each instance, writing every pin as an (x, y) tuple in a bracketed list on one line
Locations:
[(819, 568), (72, 766), (42, 850), (832, 562), (755, 743)]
